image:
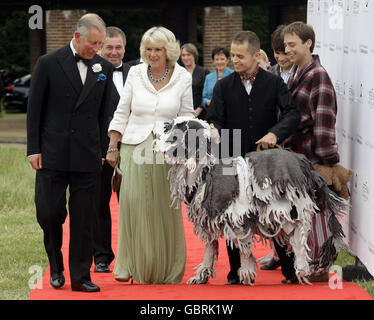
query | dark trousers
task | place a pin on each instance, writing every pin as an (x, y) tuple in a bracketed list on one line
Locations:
[(234, 259), (287, 261), (102, 232), (50, 200)]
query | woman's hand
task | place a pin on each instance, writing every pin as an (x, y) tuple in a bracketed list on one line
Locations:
[(198, 111), (113, 158)]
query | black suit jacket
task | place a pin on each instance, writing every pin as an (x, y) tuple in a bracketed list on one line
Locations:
[(198, 79), (66, 121), (255, 114)]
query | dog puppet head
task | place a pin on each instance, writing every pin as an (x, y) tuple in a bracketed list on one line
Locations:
[(185, 141)]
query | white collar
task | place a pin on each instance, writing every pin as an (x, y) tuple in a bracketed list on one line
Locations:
[(72, 47), (118, 66)]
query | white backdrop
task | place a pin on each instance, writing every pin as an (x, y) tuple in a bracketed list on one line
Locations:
[(345, 43)]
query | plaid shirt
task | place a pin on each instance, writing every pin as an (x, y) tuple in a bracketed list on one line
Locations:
[(314, 94)]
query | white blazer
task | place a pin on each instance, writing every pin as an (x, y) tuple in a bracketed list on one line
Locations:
[(142, 109)]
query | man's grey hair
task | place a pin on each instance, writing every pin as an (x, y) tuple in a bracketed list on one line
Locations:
[(112, 32), (88, 22)]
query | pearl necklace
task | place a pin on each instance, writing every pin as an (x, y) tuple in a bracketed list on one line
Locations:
[(158, 80)]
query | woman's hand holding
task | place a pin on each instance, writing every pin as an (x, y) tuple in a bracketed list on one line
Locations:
[(112, 158), (112, 155)]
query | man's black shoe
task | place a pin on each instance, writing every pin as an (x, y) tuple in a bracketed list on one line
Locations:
[(57, 280), (85, 286), (271, 265), (102, 268)]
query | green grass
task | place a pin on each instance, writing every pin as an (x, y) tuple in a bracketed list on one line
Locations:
[(345, 259), (21, 238)]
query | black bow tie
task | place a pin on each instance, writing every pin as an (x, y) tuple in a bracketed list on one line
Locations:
[(120, 69), (78, 57)]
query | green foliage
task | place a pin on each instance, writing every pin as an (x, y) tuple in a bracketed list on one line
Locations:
[(14, 42), (134, 22), (256, 19)]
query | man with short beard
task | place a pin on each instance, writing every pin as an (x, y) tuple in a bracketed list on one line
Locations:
[(315, 97)]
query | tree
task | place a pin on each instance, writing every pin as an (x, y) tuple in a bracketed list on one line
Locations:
[(14, 42), (256, 19), (134, 22)]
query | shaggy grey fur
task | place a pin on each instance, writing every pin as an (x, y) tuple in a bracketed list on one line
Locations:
[(270, 191)]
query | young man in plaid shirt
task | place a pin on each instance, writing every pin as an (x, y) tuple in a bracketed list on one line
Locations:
[(314, 94)]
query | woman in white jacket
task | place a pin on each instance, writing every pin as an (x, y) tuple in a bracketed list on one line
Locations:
[(151, 242)]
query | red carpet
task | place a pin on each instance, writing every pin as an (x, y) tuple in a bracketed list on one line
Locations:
[(267, 285)]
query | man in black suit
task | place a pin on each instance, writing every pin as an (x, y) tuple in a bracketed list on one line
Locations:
[(113, 50), (67, 125), (257, 103)]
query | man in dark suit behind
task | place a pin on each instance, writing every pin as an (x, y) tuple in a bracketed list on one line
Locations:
[(113, 50), (66, 144), (250, 100)]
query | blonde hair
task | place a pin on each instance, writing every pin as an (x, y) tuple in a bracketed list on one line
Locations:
[(162, 38), (264, 56)]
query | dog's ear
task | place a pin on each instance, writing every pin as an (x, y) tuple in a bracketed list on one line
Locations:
[(181, 126), (193, 124)]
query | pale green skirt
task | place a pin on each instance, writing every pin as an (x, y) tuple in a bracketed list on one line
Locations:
[(151, 241)]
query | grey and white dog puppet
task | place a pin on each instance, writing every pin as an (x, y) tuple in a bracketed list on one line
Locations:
[(269, 194)]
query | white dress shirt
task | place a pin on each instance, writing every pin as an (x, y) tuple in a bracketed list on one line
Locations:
[(143, 109), (285, 75), (118, 80), (247, 85), (80, 64)]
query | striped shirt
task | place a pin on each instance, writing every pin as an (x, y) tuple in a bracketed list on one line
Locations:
[(314, 94)]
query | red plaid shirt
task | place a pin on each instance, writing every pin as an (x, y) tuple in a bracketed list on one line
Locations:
[(314, 94)]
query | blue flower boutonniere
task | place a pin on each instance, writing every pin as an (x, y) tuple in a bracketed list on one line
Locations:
[(101, 77)]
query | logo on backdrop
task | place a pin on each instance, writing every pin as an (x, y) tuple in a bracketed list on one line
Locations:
[(371, 98), (365, 191)]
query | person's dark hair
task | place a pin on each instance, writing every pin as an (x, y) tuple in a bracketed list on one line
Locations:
[(277, 43), (250, 37), (302, 30), (112, 32), (219, 50)]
